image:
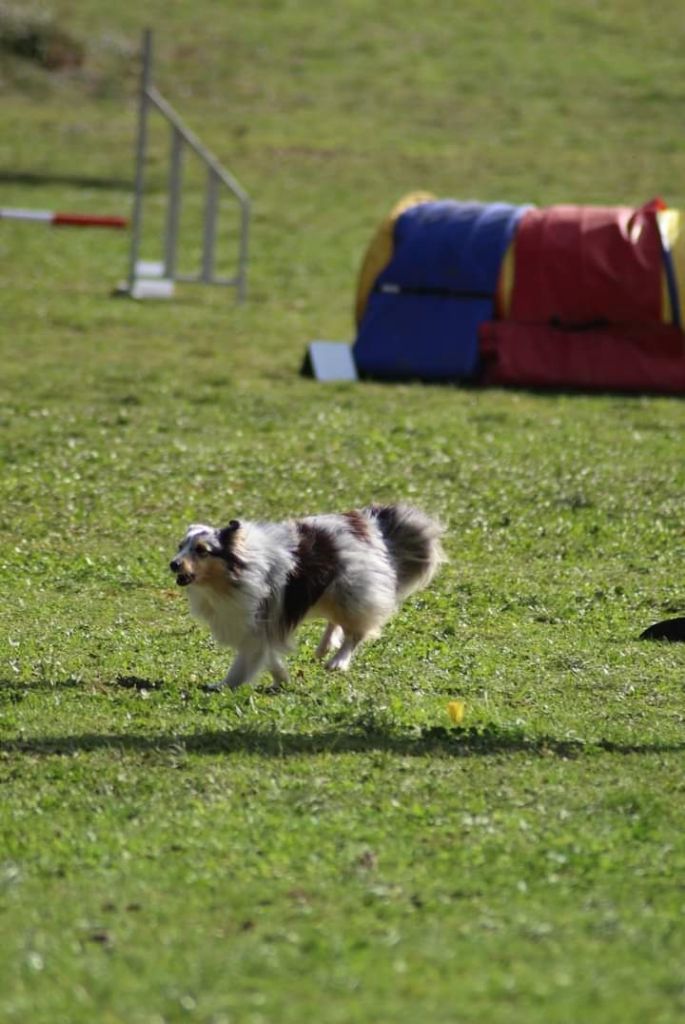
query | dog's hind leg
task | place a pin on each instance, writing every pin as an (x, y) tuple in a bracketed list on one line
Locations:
[(341, 660), (332, 635)]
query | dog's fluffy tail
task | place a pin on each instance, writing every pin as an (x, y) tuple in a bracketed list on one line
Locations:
[(414, 542)]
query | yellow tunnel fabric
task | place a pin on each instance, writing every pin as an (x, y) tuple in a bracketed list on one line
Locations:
[(672, 227), (380, 250)]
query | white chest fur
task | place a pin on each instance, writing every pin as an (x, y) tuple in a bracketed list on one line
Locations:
[(224, 613)]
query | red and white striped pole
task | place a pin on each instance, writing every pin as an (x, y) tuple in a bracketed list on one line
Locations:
[(62, 220)]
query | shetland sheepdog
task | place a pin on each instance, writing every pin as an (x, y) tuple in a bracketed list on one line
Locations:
[(253, 583)]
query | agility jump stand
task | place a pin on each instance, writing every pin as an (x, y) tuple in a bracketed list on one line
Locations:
[(147, 279)]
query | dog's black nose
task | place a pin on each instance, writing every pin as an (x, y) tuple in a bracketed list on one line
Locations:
[(174, 565)]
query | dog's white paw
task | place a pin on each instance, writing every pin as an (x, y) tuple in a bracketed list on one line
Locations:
[(338, 664)]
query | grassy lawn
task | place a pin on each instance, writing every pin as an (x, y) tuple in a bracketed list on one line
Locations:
[(339, 852)]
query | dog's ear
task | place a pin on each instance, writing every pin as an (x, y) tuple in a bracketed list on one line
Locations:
[(226, 534), (234, 563)]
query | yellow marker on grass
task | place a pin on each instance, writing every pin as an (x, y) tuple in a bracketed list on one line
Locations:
[(455, 709)]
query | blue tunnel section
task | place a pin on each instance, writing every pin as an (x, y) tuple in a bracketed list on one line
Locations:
[(423, 313)]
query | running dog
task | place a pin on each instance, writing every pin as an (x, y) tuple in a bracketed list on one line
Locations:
[(253, 583)]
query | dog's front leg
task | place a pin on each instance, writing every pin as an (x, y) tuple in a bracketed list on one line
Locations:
[(245, 667), (278, 670)]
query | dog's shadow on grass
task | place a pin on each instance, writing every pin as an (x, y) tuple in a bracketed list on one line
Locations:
[(482, 740), (435, 741)]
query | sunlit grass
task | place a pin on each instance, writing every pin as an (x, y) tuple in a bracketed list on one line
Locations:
[(339, 851)]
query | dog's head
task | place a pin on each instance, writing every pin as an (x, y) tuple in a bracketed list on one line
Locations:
[(207, 555)]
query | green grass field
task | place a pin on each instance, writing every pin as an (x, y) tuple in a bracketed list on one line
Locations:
[(339, 852)]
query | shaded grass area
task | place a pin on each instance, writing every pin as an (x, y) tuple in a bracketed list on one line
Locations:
[(339, 850), (433, 740)]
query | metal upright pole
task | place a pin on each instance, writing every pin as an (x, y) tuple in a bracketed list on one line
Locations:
[(209, 232), (173, 203), (141, 148), (242, 255)]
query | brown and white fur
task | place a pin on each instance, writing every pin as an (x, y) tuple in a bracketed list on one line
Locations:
[(254, 582)]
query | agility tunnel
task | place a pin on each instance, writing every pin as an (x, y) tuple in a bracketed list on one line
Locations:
[(496, 294)]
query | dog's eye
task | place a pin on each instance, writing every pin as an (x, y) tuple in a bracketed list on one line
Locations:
[(201, 551)]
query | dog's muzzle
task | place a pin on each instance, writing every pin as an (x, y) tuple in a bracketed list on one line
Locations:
[(182, 578)]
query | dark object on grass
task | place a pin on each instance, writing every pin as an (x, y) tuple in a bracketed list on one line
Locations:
[(136, 683), (39, 40), (669, 629)]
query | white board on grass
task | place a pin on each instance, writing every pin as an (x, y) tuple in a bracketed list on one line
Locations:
[(149, 288), (332, 360)]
